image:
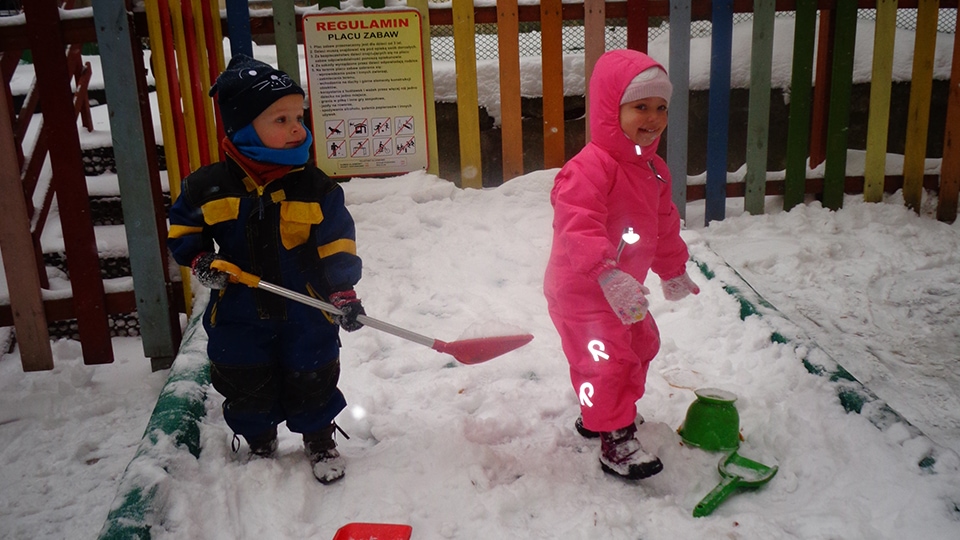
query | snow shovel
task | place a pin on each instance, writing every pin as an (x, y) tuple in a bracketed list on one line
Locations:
[(466, 351), (373, 531), (736, 472)]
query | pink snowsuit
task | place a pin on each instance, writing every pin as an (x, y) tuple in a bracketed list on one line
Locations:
[(601, 191)]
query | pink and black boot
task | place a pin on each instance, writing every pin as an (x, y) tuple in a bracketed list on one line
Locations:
[(621, 455)]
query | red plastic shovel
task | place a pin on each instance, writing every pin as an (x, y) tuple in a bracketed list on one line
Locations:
[(466, 351), (373, 531)]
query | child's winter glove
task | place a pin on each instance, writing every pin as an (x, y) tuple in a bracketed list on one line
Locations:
[(679, 287), (350, 306), (625, 294), (207, 276)]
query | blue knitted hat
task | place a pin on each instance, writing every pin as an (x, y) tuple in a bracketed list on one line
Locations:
[(246, 88)]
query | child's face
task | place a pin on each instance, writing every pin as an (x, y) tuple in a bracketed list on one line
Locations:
[(644, 120), (281, 124)]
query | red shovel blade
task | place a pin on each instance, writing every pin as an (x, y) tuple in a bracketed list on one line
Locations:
[(479, 350), (374, 531)]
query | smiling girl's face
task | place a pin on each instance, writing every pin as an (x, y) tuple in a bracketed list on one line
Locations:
[(644, 120)]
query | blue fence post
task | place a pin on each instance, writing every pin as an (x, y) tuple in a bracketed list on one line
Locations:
[(238, 27), (718, 117), (680, 102)]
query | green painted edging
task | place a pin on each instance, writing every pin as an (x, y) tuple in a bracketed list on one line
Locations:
[(853, 394), (173, 430)]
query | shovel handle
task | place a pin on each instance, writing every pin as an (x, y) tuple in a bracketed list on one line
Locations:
[(726, 487), (236, 274), (250, 280)]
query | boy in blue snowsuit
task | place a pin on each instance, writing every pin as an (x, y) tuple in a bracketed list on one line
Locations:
[(265, 209)]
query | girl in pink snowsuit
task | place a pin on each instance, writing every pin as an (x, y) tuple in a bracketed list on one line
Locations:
[(616, 188)]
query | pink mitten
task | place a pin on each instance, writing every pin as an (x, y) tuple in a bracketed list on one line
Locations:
[(625, 294), (679, 287)]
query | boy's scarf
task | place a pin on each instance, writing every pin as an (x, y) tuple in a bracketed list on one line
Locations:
[(260, 172), (248, 142)]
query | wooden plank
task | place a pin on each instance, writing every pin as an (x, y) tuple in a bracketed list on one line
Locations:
[(168, 119), (171, 73), (186, 85), (197, 89), (638, 23), (950, 166), (16, 244), (511, 127), (878, 120), (285, 34), (56, 101), (204, 61), (841, 90), (214, 35), (758, 117), (594, 45), (798, 127), (918, 111), (238, 27), (551, 54), (468, 104), (718, 115), (131, 139), (821, 88), (433, 160), (679, 127)]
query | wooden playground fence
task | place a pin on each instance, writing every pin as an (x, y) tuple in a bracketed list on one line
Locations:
[(187, 36), (820, 113)]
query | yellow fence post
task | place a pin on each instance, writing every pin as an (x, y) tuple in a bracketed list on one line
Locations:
[(186, 93), (879, 115), (918, 113), (468, 105), (159, 60), (433, 166)]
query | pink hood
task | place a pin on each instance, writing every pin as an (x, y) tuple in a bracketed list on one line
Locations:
[(611, 75)]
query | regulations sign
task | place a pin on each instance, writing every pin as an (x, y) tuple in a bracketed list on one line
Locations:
[(366, 80)]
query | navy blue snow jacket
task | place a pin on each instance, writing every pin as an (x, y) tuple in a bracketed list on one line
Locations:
[(294, 232)]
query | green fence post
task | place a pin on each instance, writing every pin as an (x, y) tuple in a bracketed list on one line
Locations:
[(841, 88), (758, 117), (801, 82)]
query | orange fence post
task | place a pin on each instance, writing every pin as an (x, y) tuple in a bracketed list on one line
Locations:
[(551, 61), (950, 166), (594, 45), (511, 126)]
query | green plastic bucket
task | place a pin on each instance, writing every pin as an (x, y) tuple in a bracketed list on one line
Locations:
[(712, 422)]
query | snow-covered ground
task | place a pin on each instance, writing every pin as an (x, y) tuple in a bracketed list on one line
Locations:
[(489, 451)]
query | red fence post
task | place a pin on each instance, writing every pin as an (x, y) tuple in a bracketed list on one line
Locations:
[(48, 46)]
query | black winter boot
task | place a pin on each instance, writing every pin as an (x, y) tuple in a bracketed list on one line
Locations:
[(265, 444), (584, 432), (622, 455), (322, 451)]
